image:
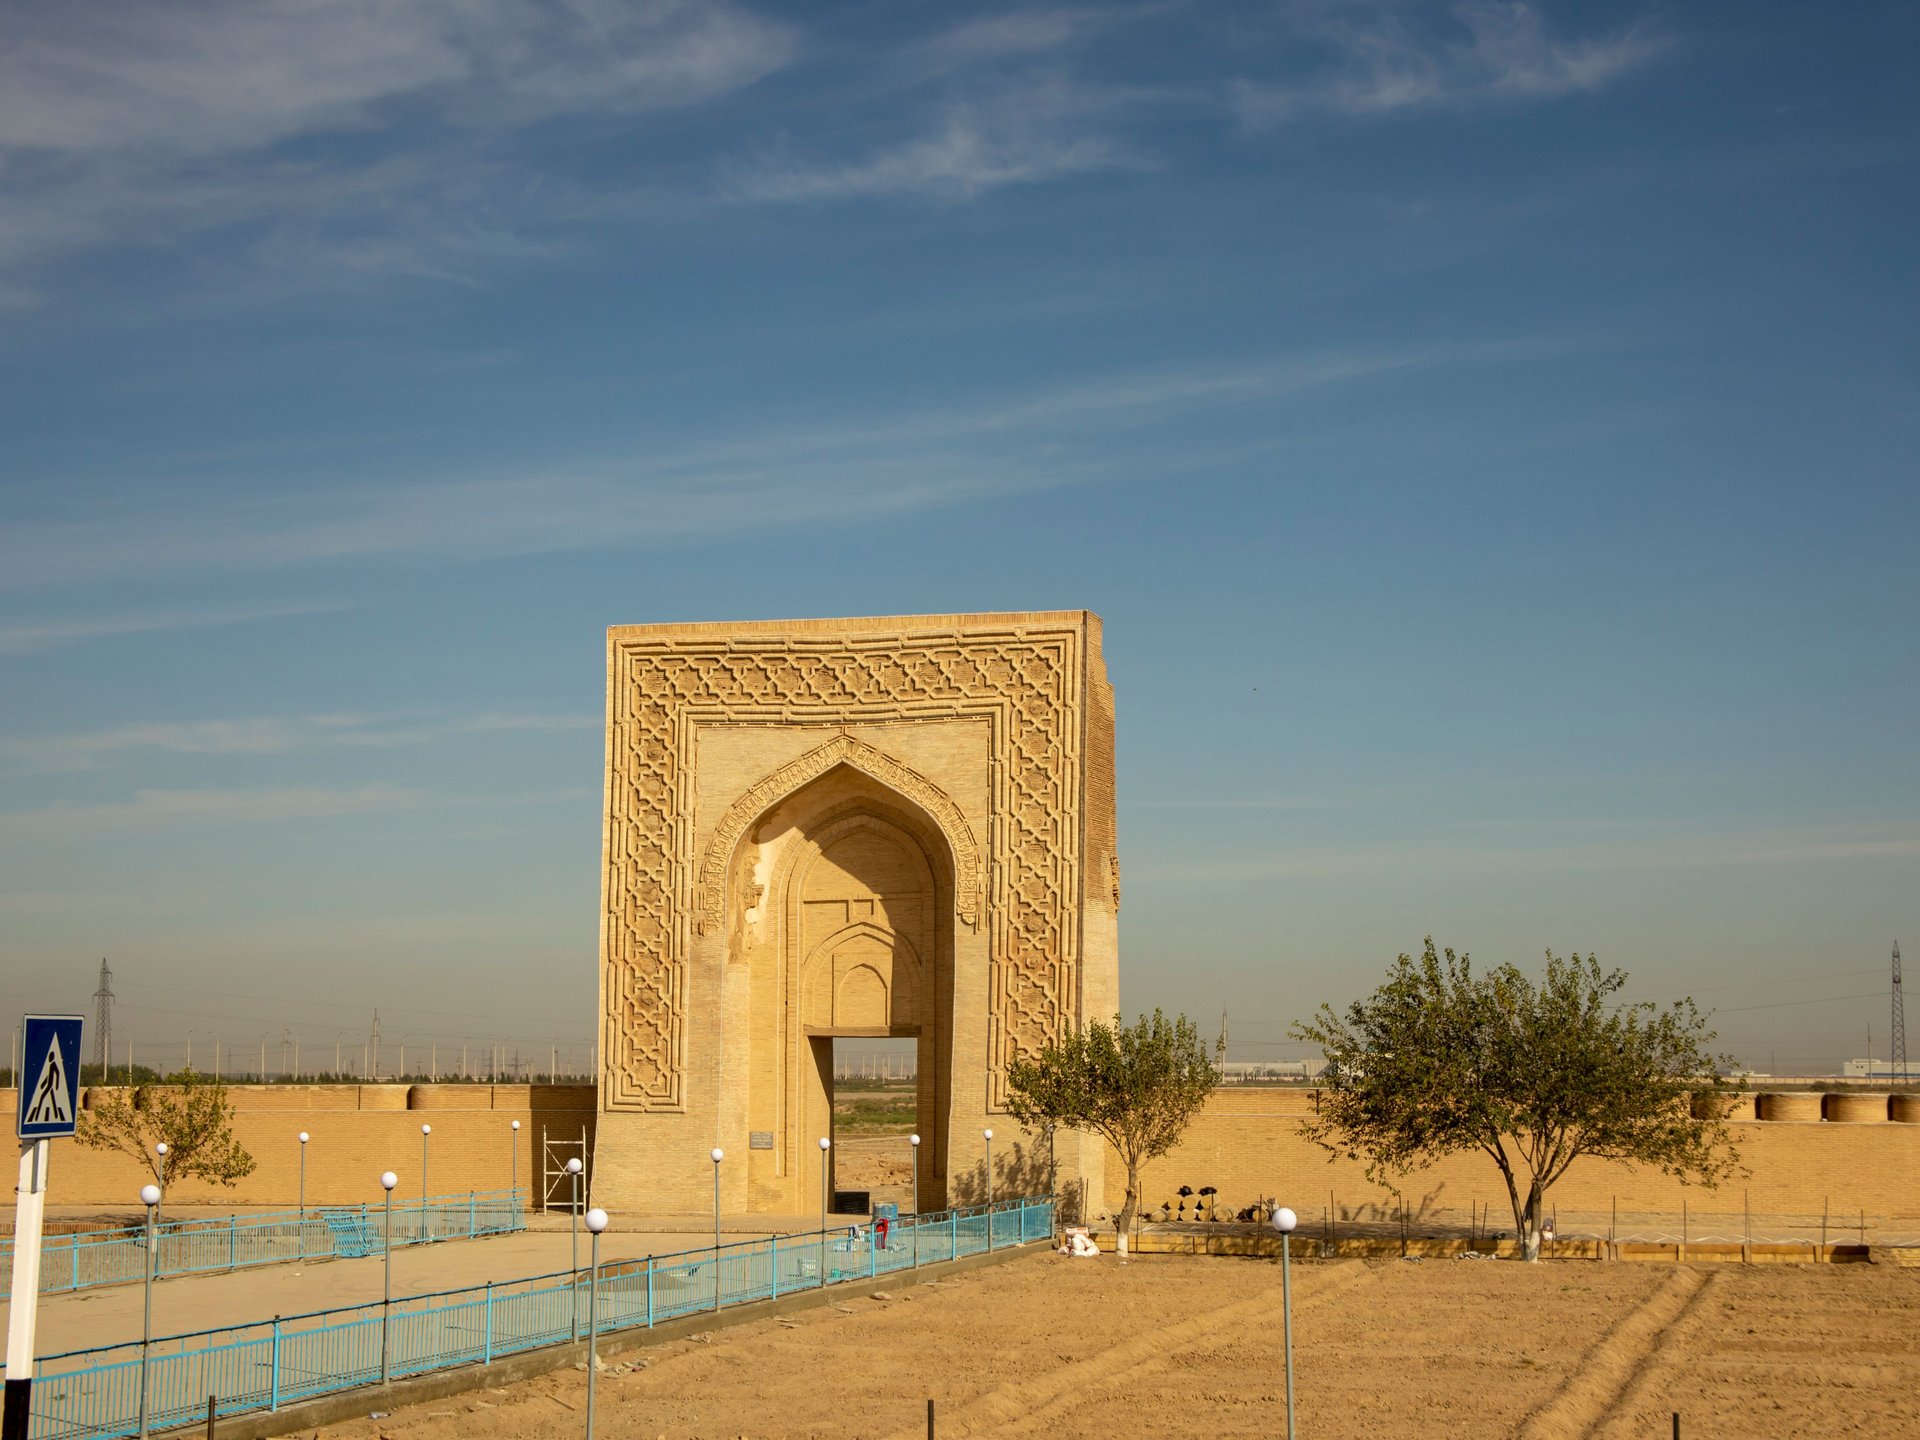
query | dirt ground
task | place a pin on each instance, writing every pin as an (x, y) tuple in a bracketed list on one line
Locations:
[(881, 1164), (1186, 1346)]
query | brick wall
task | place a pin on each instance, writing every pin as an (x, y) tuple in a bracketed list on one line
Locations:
[(356, 1132), (1247, 1143)]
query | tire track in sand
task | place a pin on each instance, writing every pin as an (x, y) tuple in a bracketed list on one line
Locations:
[(1020, 1406), (1590, 1394)]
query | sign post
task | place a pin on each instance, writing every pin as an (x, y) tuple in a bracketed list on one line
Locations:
[(49, 1081)]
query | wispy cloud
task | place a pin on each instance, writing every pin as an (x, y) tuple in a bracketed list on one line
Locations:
[(990, 102), (264, 735), (911, 462), (1634, 847), (118, 116), (1016, 130), (1280, 803), (30, 637), (341, 145), (177, 809), (1498, 52), (1020, 33), (964, 158), (124, 77), (70, 907)]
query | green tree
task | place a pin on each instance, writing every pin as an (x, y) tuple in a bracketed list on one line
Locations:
[(1440, 1060), (189, 1112), (1138, 1086)]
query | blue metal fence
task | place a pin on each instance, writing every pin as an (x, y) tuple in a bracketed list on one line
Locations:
[(95, 1394), (194, 1247)]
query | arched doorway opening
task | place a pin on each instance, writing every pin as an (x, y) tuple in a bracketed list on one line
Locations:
[(842, 925)]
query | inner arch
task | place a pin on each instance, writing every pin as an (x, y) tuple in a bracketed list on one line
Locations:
[(838, 905), (843, 751)]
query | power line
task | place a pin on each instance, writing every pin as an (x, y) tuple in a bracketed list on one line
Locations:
[(1793, 1004), (348, 1005)]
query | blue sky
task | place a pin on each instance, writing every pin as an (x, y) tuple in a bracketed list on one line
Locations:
[(1486, 429)]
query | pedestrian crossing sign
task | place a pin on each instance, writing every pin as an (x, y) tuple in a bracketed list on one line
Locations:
[(49, 1078)]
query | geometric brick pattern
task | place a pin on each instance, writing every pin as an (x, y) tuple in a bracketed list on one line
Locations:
[(1024, 681)]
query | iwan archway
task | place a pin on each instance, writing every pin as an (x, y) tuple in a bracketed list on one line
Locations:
[(847, 927), (821, 829)]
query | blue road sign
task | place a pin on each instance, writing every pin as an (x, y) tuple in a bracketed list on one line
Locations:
[(49, 1076)]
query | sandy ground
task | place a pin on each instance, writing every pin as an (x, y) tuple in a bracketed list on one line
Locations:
[(880, 1163), (1180, 1346)]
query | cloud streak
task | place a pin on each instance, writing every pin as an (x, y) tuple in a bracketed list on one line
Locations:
[(1500, 53), (230, 76), (372, 123), (1018, 129), (914, 462), (182, 809), (32, 637), (342, 145), (1654, 848), (264, 735), (965, 158)]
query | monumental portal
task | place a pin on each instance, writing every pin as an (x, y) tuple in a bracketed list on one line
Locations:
[(822, 828)]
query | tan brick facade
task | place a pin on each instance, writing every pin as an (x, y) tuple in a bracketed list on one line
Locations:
[(880, 827)]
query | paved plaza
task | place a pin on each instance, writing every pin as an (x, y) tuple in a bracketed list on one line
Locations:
[(110, 1314)]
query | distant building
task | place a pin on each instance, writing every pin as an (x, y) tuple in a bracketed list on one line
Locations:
[(1253, 1072), (1877, 1070)]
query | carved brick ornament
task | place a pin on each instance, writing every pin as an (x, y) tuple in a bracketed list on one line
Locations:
[(1024, 682)]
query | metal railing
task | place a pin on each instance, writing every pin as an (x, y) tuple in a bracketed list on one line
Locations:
[(1737, 1227), (325, 1232), (95, 1394), (1492, 1223)]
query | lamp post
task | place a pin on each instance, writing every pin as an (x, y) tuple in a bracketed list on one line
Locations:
[(387, 1181), (513, 1160), (161, 1151), (718, 1156), (825, 1146), (149, 1197), (989, 1135), (426, 1133), (1284, 1220), (913, 1149), (574, 1167), (304, 1137), (596, 1222)]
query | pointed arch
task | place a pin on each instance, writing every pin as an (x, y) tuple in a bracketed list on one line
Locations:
[(912, 976), (711, 903)]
